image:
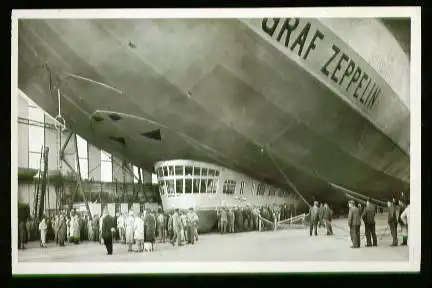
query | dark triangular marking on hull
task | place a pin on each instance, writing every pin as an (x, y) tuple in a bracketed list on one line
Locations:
[(154, 135), (120, 140)]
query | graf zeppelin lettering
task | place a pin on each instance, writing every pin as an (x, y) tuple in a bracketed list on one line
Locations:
[(302, 38)]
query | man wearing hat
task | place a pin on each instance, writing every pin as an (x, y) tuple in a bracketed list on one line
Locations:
[(393, 215), (108, 227), (354, 224), (313, 218), (327, 217), (368, 217)]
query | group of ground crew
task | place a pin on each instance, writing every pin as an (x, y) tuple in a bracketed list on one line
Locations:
[(251, 217), (398, 214), (320, 216)]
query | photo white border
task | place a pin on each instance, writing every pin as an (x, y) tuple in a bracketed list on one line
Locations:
[(413, 265)]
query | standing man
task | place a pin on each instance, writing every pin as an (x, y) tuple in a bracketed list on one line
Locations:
[(29, 228), (392, 221), (405, 219), (231, 219), (218, 215), (238, 218), (195, 220), (22, 234), (327, 216), (368, 217), (107, 231), (62, 230), (177, 228), (161, 226), (313, 218), (223, 220), (191, 227), (354, 224), (255, 213), (95, 227), (401, 206), (149, 227), (321, 215), (170, 226)]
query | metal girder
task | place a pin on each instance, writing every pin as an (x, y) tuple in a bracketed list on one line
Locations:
[(77, 173), (63, 149)]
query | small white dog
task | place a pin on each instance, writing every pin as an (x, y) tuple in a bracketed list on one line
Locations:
[(148, 247)]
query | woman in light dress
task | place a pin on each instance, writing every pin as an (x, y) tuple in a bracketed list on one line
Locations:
[(129, 230), (139, 233), (68, 220), (74, 228), (43, 228)]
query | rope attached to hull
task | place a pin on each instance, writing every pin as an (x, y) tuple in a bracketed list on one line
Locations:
[(288, 181)]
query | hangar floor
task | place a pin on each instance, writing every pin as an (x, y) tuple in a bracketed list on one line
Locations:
[(283, 245)]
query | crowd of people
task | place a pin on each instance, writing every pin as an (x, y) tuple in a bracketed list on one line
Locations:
[(177, 226), (180, 227), (249, 218)]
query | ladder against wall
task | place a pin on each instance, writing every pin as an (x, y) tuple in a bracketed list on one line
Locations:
[(41, 185)]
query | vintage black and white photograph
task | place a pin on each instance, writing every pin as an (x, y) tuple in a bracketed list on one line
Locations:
[(272, 140)]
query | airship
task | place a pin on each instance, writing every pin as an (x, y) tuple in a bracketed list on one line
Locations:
[(313, 106)]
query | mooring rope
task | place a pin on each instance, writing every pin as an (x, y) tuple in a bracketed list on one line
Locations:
[(288, 181)]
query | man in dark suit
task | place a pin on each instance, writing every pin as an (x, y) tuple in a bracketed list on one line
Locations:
[(313, 218), (327, 216), (321, 215), (392, 221), (108, 227), (368, 217), (354, 223)]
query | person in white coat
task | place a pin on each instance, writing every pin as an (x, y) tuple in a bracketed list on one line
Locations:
[(43, 228), (120, 227), (405, 219), (139, 233), (100, 228), (129, 230), (74, 228)]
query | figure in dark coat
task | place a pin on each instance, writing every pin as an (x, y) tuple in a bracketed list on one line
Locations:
[(327, 217), (238, 216), (150, 228), (22, 235), (246, 217), (393, 215), (62, 231), (313, 218), (107, 231), (29, 228), (354, 224), (368, 217), (321, 216)]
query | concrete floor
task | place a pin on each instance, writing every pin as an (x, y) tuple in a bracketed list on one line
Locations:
[(283, 245)]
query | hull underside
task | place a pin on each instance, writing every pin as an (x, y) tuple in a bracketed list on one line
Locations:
[(216, 92)]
